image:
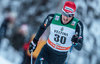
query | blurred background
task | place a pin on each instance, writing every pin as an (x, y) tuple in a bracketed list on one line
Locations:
[(20, 19)]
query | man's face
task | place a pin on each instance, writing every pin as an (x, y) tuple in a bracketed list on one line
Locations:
[(66, 19)]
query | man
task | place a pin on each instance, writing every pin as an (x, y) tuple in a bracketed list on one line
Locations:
[(9, 20), (65, 31)]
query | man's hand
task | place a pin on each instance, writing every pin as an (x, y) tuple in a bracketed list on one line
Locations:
[(74, 39), (32, 47)]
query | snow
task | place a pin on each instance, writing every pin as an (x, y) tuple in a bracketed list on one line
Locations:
[(8, 54), (4, 61), (5, 3)]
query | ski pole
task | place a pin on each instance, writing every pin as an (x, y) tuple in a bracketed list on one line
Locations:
[(69, 52), (41, 60), (31, 57)]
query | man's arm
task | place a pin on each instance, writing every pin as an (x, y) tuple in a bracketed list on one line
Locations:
[(43, 27), (79, 32), (3, 27), (41, 30)]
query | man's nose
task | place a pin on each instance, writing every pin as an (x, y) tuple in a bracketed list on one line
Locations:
[(66, 17)]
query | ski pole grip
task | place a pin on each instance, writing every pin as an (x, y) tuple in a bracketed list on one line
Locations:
[(41, 59)]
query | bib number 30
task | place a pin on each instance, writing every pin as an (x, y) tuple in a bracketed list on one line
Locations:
[(61, 39)]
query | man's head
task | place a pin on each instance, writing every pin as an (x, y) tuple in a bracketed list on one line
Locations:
[(68, 11), (11, 16)]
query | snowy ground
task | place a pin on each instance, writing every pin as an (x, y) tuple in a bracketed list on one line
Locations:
[(8, 55), (4, 61)]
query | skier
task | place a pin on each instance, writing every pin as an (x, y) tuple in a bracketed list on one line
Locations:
[(65, 30)]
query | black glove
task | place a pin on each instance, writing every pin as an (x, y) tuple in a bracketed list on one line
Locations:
[(74, 39), (32, 46)]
